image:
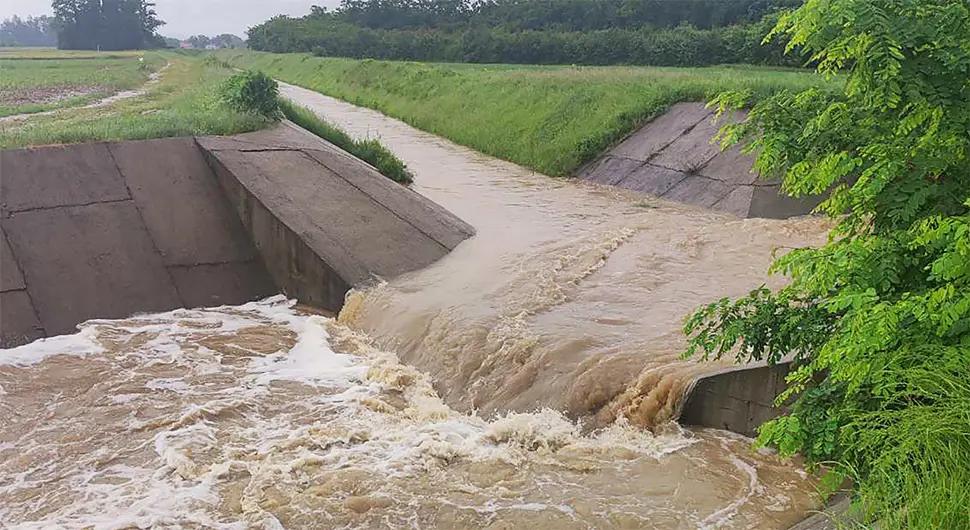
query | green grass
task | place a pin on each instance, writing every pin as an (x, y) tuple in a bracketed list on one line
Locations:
[(549, 118), (38, 80), (370, 151), (185, 102)]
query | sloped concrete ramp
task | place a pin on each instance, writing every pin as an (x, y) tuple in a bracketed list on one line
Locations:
[(108, 230), (673, 157), (323, 220)]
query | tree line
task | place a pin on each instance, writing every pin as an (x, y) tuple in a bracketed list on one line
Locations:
[(202, 42), (30, 31), (558, 15), (106, 24), (595, 32)]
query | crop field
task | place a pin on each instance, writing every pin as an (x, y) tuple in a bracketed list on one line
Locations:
[(549, 118), (184, 101), (33, 80)]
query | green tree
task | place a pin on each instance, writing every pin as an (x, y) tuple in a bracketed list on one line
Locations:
[(199, 42), (30, 31), (878, 319), (106, 24)]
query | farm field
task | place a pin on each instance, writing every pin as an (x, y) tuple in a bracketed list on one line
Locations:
[(37, 80), (184, 101), (549, 118)]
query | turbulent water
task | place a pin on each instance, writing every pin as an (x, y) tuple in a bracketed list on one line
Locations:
[(507, 386)]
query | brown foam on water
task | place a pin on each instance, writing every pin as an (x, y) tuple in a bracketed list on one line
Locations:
[(264, 417), (570, 296)]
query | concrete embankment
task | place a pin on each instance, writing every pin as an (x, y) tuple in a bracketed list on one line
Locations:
[(107, 230), (674, 157)]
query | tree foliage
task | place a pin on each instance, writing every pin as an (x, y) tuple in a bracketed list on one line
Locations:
[(106, 24), (878, 319), (30, 31), (224, 40), (647, 32)]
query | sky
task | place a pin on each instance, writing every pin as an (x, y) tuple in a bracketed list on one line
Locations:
[(185, 18)]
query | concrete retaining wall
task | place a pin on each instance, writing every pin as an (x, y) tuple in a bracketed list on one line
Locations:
[(107, 230), (673, 157), (110, 229), (737, 400), (346, 226)]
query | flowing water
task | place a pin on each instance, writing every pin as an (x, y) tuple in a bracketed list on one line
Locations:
[(529, 379)]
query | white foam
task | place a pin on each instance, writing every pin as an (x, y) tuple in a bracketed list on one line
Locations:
[(311, 360), (340, 422), (80, 344)]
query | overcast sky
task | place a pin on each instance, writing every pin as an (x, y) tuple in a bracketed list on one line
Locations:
[(193, 17)]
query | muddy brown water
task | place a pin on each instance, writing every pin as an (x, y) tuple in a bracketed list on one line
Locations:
[(528, 379)]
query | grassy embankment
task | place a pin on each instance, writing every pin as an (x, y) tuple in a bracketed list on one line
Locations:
[(185, 102), (37, 80), (549, 118), (188, 100)]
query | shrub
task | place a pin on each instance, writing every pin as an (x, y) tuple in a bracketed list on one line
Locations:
[(370, 151), (253, 92), (878, 318)]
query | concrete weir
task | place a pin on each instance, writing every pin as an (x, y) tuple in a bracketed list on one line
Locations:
[(107, 230), (673, 157)]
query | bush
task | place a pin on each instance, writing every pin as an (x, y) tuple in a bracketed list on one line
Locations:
[(370, 151), (878, 318), (253, 92)]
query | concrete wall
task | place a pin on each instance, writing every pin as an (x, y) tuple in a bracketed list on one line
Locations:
[(345, 226), (107, 230), (110, 229), (673, 157), (737, 400)]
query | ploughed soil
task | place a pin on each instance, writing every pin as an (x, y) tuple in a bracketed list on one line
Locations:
[(22, 97)]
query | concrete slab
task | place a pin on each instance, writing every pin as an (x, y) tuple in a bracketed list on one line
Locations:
[(837, 515), (85, 262), (222, 284), (181, 202), (357, 236), (731, 166), (611, 170), (738, 202), (299, 271), (18, 321), (686, 167), (59, 176), (698, 190), (285, 136), (690, 152), (10, 277), (659, 133), (417, 210), (652, 179)]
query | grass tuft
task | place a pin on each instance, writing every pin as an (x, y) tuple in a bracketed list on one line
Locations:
[(370, 151)]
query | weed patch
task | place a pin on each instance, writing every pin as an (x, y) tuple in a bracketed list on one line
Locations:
[(370, 151)]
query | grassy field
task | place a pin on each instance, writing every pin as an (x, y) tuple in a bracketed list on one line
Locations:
[(549, 118), (36, 80), (185, 102)]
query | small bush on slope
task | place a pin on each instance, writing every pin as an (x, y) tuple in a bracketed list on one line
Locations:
[(254, 92)]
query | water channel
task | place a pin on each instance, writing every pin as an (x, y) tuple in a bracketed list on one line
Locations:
[(529, 379)]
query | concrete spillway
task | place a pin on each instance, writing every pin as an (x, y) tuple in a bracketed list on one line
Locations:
[(107, 230)]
